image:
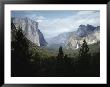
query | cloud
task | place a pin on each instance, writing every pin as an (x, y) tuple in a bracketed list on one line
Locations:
[(40, 18), (53, 27), (87, 12)]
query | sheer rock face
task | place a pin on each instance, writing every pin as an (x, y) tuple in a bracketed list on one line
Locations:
[(30, 29), (90, 33), (42, 40)]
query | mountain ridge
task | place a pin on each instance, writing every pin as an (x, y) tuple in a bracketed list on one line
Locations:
[(71, 39)]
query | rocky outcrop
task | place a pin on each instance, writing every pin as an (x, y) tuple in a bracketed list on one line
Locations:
[(90, 33), (74, 39), (30, 29), (42, 41)]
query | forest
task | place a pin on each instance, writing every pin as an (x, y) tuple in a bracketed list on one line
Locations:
[(26, 61)]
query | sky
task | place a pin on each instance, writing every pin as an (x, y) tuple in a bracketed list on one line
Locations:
[(54, 22)]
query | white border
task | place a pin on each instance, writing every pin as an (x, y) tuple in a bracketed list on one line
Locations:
[(56, 80)]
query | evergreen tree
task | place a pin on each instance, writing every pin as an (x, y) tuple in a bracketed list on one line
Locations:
[(21, 41), (20, 54), (60, 62), (66, 56), (83, 52), (84, 58), (60, 54)]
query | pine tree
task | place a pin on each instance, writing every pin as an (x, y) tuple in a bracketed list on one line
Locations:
[(60, 62), (84, 57), (21, 41), (83, 52), (20, 55), (60, 54)]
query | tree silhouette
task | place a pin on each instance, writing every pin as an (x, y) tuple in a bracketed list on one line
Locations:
[(83, 52), (21, 41), (60, 54), (84, 58), (66, 56), (20, 54)]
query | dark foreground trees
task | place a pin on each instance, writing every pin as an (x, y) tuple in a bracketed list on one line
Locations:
[(86, 64), (84, 57), (29, 63), (20, 54)]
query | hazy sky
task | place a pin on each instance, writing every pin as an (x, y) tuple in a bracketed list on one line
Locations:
[(52, 23)]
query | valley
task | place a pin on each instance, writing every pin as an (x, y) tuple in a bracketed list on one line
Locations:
[(75, 53)]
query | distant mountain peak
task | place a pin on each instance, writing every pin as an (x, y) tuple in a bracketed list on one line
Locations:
[(84, 30), (74, 39)]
